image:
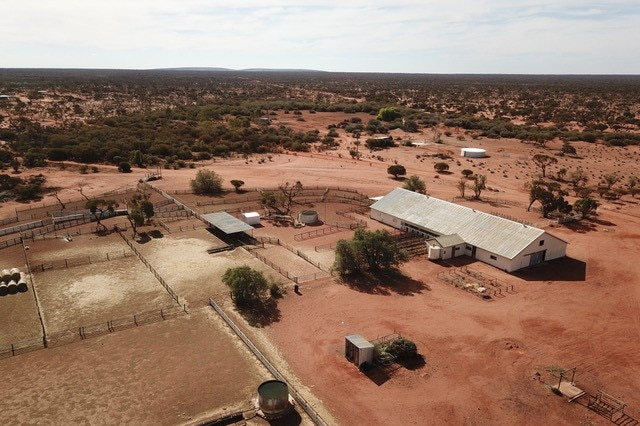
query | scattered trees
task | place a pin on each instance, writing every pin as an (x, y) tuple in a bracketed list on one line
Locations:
[(368, 251), (247, 285), (543, 161), (396, 170), (289, 193), (479, 184), (632, 186), (585, 206), (415, 184), (206, 182), (568, 149), (124, 167), (578, 179), (467, 173)]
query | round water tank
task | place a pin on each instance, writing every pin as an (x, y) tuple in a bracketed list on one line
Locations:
[(12, 287), (22, 283), (6, 275), (273, 399), (473, 152), (308, 216), (4, 290)]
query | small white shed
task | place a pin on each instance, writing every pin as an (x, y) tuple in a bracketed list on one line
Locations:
[(358, 350), (251, 218)]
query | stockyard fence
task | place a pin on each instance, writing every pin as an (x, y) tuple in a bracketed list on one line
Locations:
[(64, 337), (21, 347), (326, 247), (151, 268), (271, 240), (282, 271), (50, 232), (313, 414), (19, 228), (8, 220), (79, 261), (319, 232)]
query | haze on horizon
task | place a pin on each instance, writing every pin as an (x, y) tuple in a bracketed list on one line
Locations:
[(408, 36)]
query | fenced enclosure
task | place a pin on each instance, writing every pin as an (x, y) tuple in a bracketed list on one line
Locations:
[(151, 268), (79, 261), (475, 282), (64, 337)]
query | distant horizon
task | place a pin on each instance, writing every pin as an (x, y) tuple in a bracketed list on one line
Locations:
[(301, 70), (497, 37)]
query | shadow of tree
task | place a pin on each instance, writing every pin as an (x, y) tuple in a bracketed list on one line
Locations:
[(413, 363), (384, 283), (156, 233), (261, 313)]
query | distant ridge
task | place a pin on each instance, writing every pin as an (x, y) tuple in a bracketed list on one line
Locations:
[(230, 69)]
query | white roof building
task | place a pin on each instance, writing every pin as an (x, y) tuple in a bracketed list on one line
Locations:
[(503, 243)]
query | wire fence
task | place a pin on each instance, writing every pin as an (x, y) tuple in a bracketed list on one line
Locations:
[(311, 412), (151, 268), (318, 233), (64, 337), (79, 261), (21, 347), (19, 228), (8, 220), (322, 273)]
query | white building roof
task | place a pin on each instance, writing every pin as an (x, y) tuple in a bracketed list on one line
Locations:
[(492, 233), (226, 223)]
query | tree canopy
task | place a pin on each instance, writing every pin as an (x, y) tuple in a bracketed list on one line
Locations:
[(388, 114), (415, 184), (368, 251), (206, 182), (396, 170), (247, 285)]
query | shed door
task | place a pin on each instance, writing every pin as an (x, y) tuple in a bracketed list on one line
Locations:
[(537, 257)]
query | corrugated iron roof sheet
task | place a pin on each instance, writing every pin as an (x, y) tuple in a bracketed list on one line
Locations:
[(492, 233), (226, 223), (449, 240)]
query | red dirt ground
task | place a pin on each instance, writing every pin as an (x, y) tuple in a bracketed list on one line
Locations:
[(480, 356)]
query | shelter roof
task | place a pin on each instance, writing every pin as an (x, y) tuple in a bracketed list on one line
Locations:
[(449, 240), (226, 223)]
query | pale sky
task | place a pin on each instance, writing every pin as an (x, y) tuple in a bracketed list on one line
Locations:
[(410, 36)]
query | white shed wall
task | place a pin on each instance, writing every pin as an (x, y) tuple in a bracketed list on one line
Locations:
[(555, 249)]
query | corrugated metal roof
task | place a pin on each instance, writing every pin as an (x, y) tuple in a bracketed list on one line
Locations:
[(226, 223), (492, 233), (359, 342), (449, 240)]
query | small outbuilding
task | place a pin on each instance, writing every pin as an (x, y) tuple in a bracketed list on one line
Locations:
[(473, 152), (358, 350), (445, 247), (250, 218)]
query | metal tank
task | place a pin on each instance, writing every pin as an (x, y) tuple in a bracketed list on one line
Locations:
[(273, 399), (308, 216)]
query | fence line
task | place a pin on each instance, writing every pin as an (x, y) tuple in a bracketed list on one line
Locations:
[(64, 337), (8, 220), (21, 347), (79, 261), (19, 228), (151, 268), (313, 414)]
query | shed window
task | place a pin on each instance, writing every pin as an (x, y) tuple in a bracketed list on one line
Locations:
[(493, 257), (456, 248), (469, 248), (541, 242)]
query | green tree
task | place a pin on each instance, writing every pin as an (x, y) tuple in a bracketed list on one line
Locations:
[(632, 185), (388, 114), (289, 193), (467, 173), (479, 184), (396, 170), (247, 285), (206, 182), (124, 167), (568, 149), (585, 206), (101, 208), (136, 219), (415, 184), (441, 166), (578, 179), (543, 161), (368, 251), (550, 196), (236, 184)]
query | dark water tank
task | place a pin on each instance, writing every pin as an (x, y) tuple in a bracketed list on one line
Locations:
[(273, 399)]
